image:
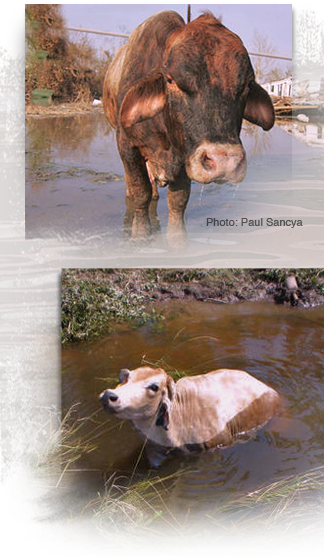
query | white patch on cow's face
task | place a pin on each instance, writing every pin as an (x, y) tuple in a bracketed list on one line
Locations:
[(138, 398)]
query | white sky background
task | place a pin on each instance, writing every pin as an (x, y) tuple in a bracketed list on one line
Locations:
[(309, 50), (269, 20)]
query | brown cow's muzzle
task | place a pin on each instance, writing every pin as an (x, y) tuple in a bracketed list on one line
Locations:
[(217, 162)]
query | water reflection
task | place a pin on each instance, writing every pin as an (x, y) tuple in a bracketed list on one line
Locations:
[(63, 151), (54, 139), (311, 133)]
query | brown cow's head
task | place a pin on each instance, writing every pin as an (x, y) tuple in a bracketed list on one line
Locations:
[(204, 90), (144, 393), (163, 159)]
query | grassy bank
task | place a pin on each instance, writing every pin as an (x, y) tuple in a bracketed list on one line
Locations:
[(96, 301)]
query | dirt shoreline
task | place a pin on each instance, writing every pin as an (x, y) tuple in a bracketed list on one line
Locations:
[(96, 300), (80, 108)]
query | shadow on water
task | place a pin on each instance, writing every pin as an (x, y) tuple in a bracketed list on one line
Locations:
[(280, 346)]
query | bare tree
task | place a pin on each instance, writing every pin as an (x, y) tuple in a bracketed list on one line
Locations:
[(262, 65)]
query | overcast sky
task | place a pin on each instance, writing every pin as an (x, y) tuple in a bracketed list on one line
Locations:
[(271, 20)]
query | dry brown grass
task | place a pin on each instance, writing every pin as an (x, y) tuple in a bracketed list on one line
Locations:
[(72, 70), (63, 109)]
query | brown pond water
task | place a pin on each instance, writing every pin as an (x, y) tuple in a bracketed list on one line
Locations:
[(279, 345)]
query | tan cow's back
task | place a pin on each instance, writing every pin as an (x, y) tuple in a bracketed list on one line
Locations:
[(213, 409)]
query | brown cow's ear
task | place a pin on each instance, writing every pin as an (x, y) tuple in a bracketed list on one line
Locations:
[(259, 109), (144, 100)]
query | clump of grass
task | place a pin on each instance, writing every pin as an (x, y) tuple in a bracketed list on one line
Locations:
[(66, 444), (133, 506), (135, 518), (90, 307)]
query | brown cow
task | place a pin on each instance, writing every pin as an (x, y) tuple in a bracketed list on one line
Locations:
[(176, 95), (195, 413)]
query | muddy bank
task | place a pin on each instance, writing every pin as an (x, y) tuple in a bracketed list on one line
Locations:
[(76, 108), (97, 300)]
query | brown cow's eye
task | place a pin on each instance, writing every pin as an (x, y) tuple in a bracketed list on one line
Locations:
[(153, 387), (170, 80)]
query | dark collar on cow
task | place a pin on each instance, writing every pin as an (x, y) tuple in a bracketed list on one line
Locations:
[(163, 416)]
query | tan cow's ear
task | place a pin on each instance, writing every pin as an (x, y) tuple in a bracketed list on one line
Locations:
[(171, 388), (144, 100), (124, 374), (259, 108), (163, 415)]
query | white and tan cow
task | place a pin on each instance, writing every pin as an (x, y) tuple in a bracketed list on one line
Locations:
[(195, 413)]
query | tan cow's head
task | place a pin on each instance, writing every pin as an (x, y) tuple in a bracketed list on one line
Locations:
[(143, 394)]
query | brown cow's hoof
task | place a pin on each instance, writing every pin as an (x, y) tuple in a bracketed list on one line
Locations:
[(176, 238), (141, 228)]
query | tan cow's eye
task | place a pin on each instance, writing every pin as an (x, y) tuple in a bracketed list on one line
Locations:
[(170, 80), (153, 387)]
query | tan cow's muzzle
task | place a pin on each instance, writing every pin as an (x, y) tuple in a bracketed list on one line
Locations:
[(109, 400)]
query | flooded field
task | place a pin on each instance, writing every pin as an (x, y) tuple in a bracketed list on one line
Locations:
[(280, 346), (75, 186)]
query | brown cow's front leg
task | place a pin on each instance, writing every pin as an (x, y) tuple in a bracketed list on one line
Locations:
[(178, 196), (139, 190)]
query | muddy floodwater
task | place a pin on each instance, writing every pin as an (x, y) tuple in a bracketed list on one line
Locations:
[(281, 346), (75, 181)]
